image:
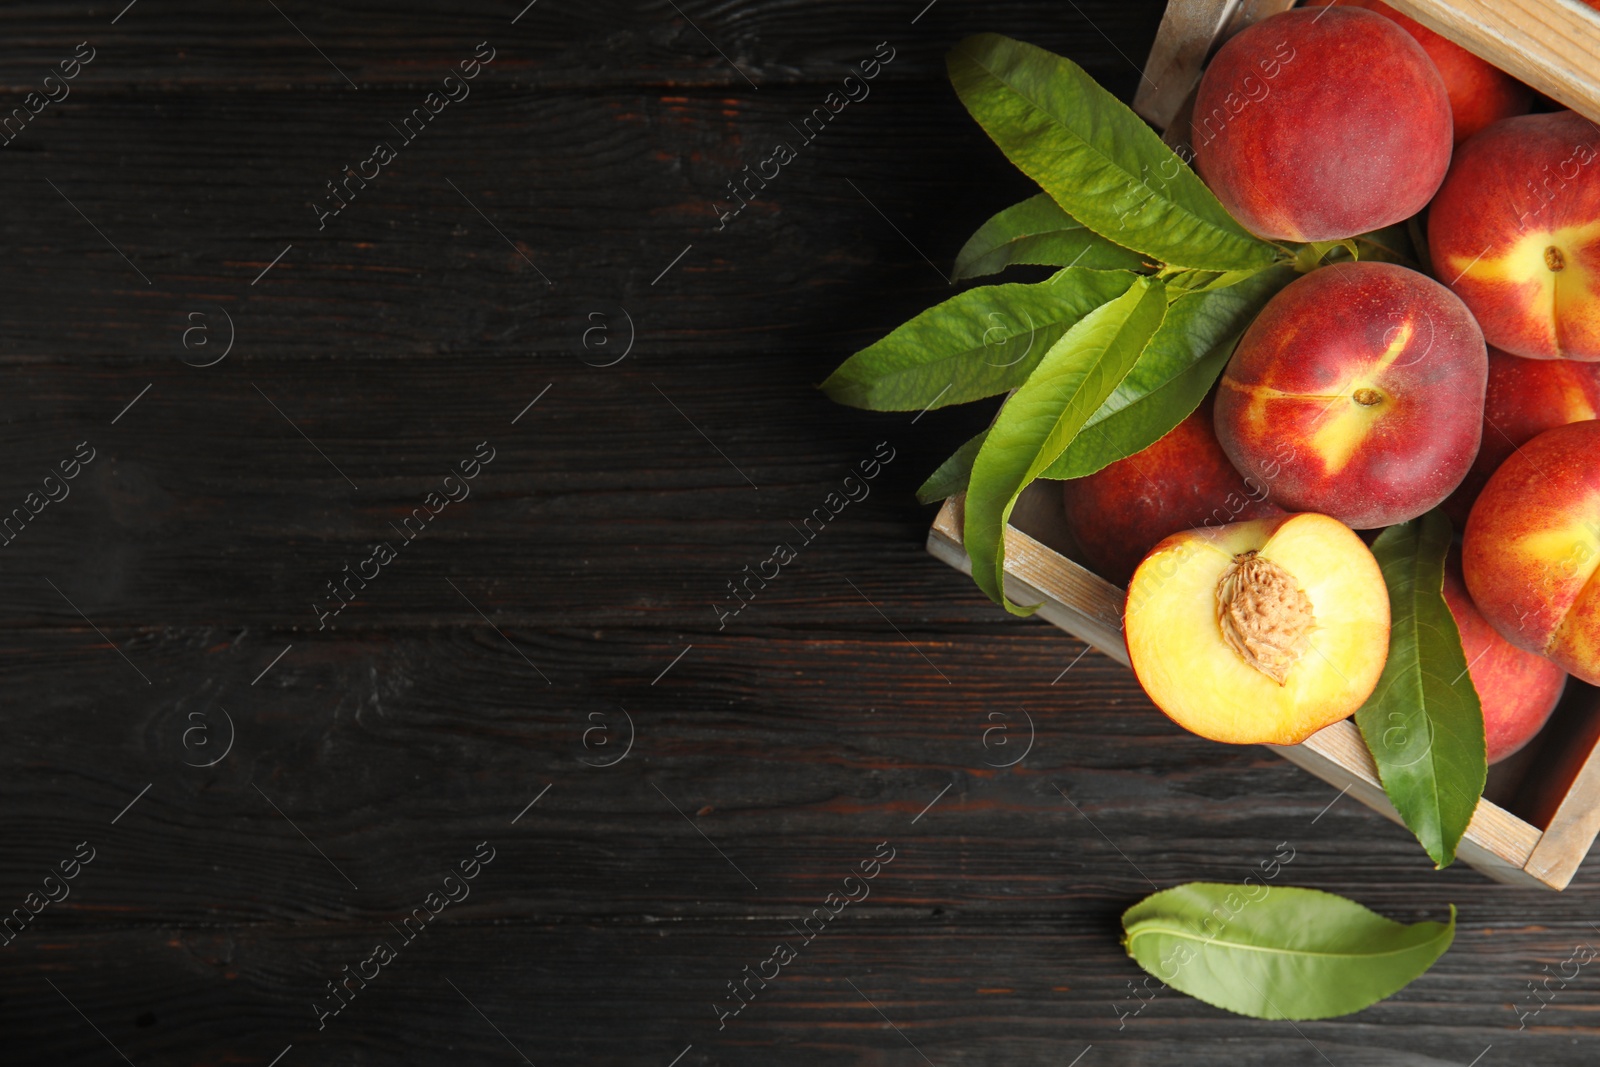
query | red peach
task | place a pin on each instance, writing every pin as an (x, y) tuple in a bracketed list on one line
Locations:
[(1480, 92), (1515, 230), (1118, 513), (1320, 125), (1525, 398), (1362, 385), (1518, 689), (1532, 546)]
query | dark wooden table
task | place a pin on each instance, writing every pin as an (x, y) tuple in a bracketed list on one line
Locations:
[(268, 788)]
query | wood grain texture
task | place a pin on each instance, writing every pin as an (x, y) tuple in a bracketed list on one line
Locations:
[(849, 703), (1191, 30), (1550, 44), (1501, 844)]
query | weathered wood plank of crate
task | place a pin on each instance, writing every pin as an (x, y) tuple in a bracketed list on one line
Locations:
[(1189, 32), (1553, 45), (1075, 599), (1550, 44), (1571, 830)]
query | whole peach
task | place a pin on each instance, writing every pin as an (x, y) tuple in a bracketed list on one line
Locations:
[(1320, 125), (1525, 398), (1532, 546), (1360, 386), (1518, 689), (1515, 232), (1480, 92), (1184, 480)]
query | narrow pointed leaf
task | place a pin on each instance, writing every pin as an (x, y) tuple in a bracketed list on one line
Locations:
[(1423, 723), (979, 343), (1180, 282), (1038, 232), (1392, 244), (1321, 253), (1096, 158), (1278, 952), (1174, 373), (953, 474), (1042, 417)]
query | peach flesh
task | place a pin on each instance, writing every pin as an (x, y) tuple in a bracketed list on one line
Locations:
[(1262, 631)]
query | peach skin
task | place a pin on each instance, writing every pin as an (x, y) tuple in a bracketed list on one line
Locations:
[(1321, 125), (1525, 398), (1515, 231), (1362, 385), (1118, 513), (1518, 689), (1532, 548), (1480, 92)]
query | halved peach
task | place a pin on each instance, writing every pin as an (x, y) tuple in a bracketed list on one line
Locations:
[(1259, 632)]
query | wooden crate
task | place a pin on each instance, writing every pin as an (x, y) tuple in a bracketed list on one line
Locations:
[(1541, 810), (1549, 44)]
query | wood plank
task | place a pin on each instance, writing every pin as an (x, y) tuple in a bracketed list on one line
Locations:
[(186, 45), (954, 988), (1550, 44), (817, 722), (1496, 842), (1573, 828), (1191, 30)]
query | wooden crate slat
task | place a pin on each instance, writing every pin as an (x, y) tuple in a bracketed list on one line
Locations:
[(1553, 45), (1572, 830), (1190, 29), (1497, 843)]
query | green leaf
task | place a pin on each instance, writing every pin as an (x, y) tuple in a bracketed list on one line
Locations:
[(1038, 232), (1174, 373), (1096, 158), (1198, 281), (953, 474), (1392, 244), (1315, 254), (1278, 952), (1040, 420), (978, 343), (1423, 723)]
